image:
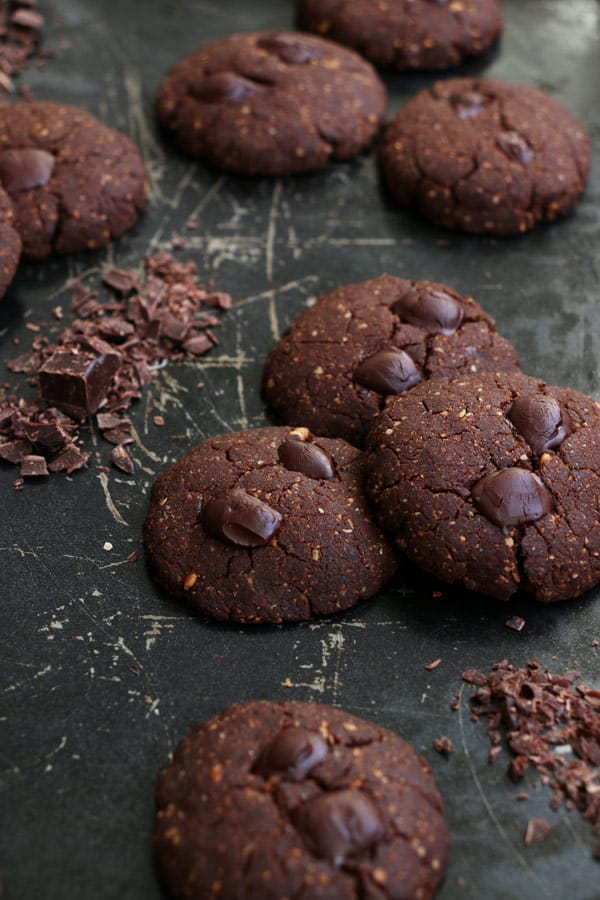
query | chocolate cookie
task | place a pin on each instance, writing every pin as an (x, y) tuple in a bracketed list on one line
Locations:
[(334, 366), (73, 182), (10, 243), (492, 481), (271, 103), (407, 34), (485, 157), (274, 800), (266, 526)]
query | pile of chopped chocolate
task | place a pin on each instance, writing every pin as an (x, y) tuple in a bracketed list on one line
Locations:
[(100, 363), (20, 33), (551, 722)]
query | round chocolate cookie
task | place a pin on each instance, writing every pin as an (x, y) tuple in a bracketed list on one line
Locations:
[(266, 526), (485, 157), (274, 800), (492, 481), (271, 103), (73, 182), (335, 364), (407, 34), (10, 243)]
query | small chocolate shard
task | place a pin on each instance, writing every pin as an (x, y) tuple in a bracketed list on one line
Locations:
[(240, 518), (292, 754), (15, 451), (69, 460), (22, 170), (33, 466), (516, 623), (512, 496), (120, 458), (306, 458), (433, 665), (443, 745), (536, 831), (389, 371), (120, 280)]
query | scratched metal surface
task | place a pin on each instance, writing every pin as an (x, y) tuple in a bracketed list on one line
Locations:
[(82, 736)]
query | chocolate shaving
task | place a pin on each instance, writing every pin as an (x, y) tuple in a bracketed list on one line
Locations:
[(20, 36), (443, 745), (551, 723)]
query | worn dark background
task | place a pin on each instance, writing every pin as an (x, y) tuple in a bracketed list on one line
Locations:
[(82, 736)]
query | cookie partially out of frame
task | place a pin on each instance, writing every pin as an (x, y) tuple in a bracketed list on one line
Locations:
[(407, 34), (335, 364), (74, 183), (485, 157), (268, 525), (10, 243), (273, 800), (493, 482), (272, 102)]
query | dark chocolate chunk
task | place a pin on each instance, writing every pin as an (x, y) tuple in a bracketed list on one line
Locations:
[(77, 381), (434, 310), (240, 518), (514, 146), (224, 86), (390, 371), (120, 280), (33, 466), (120, 458), (292, 754), (15, 451), (542, 421), (21, 170), (468, 104), (340, 824), (305, 457), (69, 460), (512, 496), (537, 830)]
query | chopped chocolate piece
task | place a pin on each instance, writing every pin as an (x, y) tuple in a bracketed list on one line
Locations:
[(433, 665), (516, 623), (219, 299), (537, 830), (18, 484), (158, 420), (78, 381), (33, 466), (27, 18), (517, 767), (69, 460), (118, 435), (106, 421), (472, 676), (122, 460), (443, 745), (15, 451), (198, 345), (120, 280)]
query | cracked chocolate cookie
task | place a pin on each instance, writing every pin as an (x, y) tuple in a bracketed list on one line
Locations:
[(268, 525), (10, 243), (492, 481), (407, 34), (335, 364), (485, 157), (74, 183), (273, 102), (273, 800)]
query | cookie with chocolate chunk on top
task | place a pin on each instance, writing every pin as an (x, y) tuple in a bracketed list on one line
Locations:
[(485, 157), (74, 183), (268, 525), (10, 243), (420, 34), (271, 103), (492, 481), (272, 800), (334, 365)]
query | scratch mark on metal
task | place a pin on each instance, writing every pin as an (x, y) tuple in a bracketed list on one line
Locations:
[(103, 478), (272, 228)]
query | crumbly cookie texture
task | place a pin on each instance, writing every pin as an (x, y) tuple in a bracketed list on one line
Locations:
[(485, 157), (270, 103), (74, 183), (334, 365), (492, 481), (407, 34), (10, 243), (268, 525), (271, 800)]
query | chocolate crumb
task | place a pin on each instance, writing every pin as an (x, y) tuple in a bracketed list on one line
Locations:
[(122, 460), (432, 665), (443, 746), (158, 420), (537, 830), (133, 557), (516, 623)]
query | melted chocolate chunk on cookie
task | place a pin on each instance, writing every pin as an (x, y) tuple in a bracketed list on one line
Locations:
[(434, 310), (26, 168), (296, 53), (293, 753), (224, 87), (390, 371), (469, 104), (340, 824), (302, 456), (240, 518), (512, 496), (514, 146), (542, 420)]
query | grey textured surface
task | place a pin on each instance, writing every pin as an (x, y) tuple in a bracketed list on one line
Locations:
[(82, 736)]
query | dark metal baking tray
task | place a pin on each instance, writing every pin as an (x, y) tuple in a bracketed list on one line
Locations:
[(101, 673)]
